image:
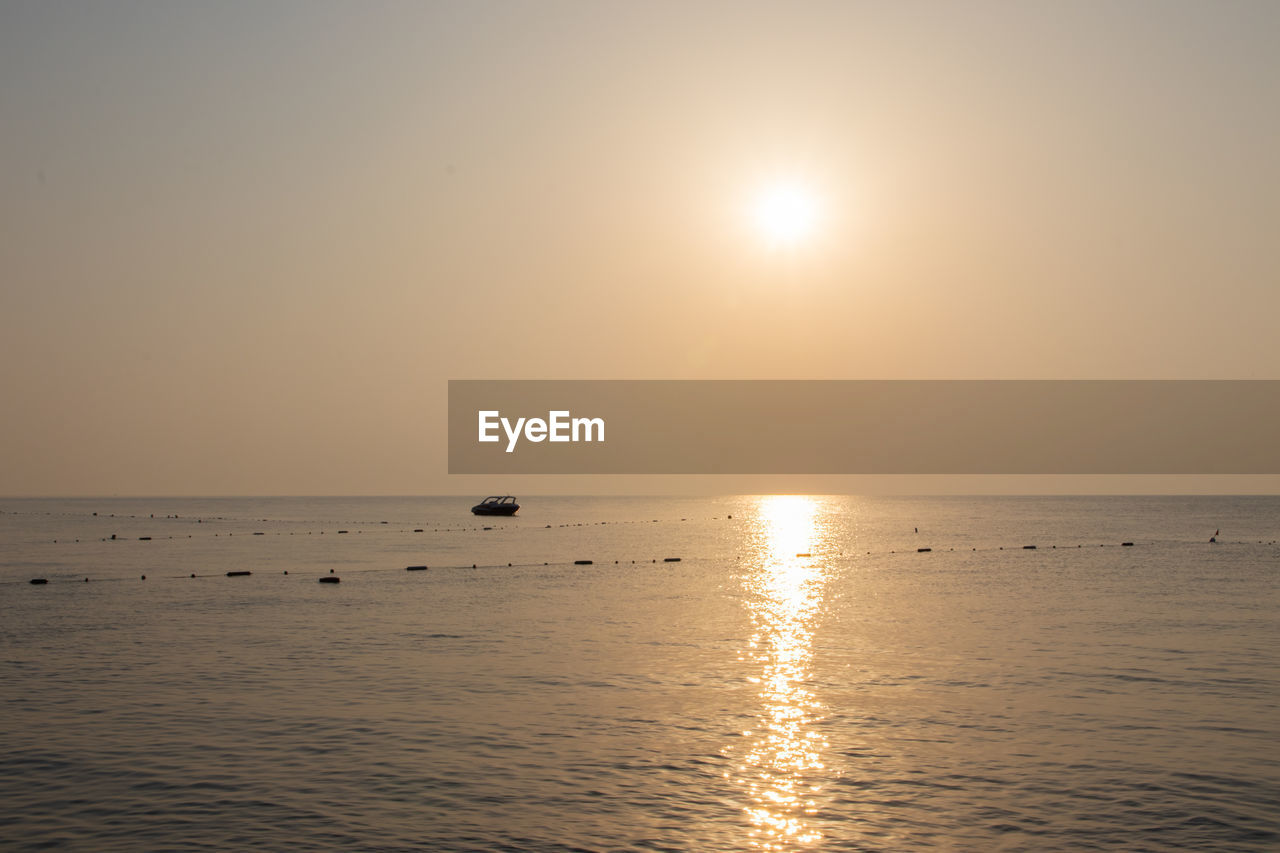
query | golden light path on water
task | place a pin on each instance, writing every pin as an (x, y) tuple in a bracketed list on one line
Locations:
[(780, 768)]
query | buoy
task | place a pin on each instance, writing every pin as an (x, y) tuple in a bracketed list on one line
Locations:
[(582, 562), (330, 579), (923, 550), (193, 574), (286, 571), (38, 581), (415, 568), (144, 577), (671, 559), (238, 574), (331, 571), (86, 580)]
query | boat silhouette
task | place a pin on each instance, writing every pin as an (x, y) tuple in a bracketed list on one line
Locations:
[(496, 505)]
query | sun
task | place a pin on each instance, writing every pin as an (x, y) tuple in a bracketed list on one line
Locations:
[(786, 213)]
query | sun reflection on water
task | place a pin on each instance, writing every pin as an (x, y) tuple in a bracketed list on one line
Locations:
[(781, 764)]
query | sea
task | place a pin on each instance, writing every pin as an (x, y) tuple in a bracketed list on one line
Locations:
[(739, 673)]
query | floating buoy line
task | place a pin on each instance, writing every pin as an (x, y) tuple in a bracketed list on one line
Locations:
[(348, 527), (329, 526), (332, 578)]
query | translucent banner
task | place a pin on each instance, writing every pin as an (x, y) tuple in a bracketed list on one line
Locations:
[(864, 427)]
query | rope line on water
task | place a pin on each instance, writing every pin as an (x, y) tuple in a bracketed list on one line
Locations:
[(583, 562)]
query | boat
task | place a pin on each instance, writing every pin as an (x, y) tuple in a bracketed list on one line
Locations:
[(496, 505)]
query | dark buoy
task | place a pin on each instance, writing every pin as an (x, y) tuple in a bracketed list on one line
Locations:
[(923, 550), (670, 559), (144, 577), (415, 568), (582, 562), (330, 579), (38, 581), (193, 574), (239, 574), (286, 571), (331, 571)]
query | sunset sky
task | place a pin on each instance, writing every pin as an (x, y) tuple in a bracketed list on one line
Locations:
[(244, 245)]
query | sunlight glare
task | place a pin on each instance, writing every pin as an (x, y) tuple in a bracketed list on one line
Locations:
[(786, 213), (782, 759)]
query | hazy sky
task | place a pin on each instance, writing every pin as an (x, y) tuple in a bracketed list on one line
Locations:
[(244, 245)]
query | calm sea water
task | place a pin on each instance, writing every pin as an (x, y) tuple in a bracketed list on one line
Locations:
[(804, 678)]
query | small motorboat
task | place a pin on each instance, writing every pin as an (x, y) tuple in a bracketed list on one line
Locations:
[(496, 505)]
